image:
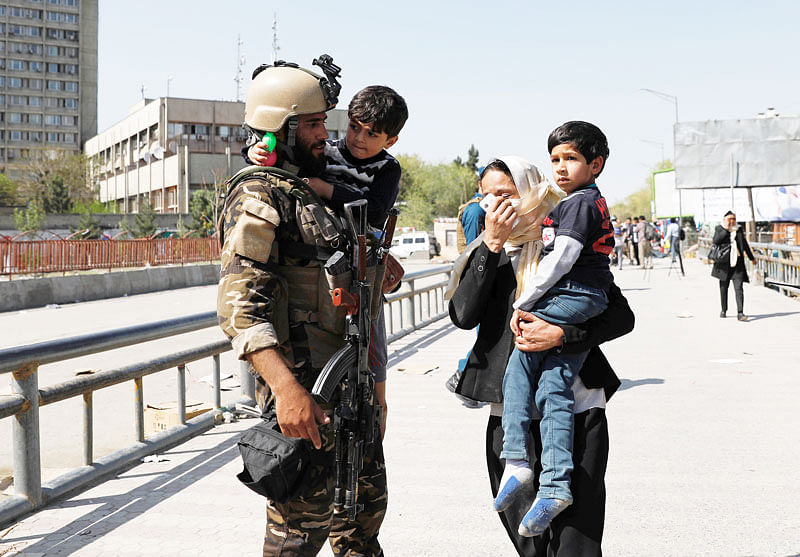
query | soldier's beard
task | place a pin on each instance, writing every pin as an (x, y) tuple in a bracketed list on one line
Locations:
[(310, 165)]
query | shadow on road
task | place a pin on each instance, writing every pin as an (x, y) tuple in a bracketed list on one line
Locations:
[(117, 509), (424, 341), (629, 384), (756, 317)]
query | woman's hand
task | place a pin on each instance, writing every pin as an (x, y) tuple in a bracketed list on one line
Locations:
[(500, 218), (533, 334)]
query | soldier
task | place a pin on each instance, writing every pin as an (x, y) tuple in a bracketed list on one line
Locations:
[(274, 305)]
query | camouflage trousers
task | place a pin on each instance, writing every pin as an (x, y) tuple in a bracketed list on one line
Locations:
[(301, 526)]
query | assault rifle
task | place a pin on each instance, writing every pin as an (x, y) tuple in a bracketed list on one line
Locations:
[(357, 415)]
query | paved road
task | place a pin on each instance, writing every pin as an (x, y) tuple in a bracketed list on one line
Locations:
[(703, 449)]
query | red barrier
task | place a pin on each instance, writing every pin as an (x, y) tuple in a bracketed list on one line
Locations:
[(60, 256)]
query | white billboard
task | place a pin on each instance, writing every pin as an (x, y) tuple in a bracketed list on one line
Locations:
[(770, 204), (755, 152)]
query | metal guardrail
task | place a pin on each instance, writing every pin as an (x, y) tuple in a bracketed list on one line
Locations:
[(773, 262), (417, 308), (60, 256)]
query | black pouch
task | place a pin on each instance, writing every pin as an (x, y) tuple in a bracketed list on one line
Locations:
[(274, 465)]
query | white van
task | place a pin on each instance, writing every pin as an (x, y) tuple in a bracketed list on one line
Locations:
[(410, 243)]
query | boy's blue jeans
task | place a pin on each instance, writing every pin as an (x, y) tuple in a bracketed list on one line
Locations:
[(548, 375)]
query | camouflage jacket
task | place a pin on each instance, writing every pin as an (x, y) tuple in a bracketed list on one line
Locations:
[(269, 296)]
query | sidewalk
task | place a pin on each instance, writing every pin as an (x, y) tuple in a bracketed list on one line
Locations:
[(703, 449)]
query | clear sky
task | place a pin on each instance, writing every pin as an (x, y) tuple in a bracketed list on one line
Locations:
[(497, 74)]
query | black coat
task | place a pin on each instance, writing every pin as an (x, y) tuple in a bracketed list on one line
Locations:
[(485, 296), (722, 270)]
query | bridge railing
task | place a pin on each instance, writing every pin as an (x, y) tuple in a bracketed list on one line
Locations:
[(415, 305), (777, 264), (59, 256)]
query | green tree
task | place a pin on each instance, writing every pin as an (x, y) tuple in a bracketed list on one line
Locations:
[(30, 219), (144, 222), (89, 227), (472, 158), (57, 177), (8, 191), (57, 198), (201, 208), (639, 202), (429, 190)]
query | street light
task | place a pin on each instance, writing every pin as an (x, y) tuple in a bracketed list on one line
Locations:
[(665, 96), (674, 100)]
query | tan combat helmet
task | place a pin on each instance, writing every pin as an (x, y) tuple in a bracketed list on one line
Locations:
[(284, 90)]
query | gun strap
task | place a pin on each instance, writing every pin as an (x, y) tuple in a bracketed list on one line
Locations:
[(299, 250)]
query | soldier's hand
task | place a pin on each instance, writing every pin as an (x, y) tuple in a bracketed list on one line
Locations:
[(258, 154), (298, 414)]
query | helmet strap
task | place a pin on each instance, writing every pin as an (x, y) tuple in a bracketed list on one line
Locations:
[(291, 131)]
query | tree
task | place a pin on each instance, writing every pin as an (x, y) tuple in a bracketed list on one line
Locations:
[(202, 209), (144, 222), (30, 219), (472, 158), (429, 190), (89, 227), (639, 202), (58, 178), (56, 195), (8, 191)]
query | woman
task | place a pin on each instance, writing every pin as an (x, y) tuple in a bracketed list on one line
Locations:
[(482, 293), (730, 238)]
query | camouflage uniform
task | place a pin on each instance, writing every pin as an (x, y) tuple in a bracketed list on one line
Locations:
[(270, 299)]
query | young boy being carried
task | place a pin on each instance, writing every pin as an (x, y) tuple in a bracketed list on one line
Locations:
[(570, 286), (358, 167)]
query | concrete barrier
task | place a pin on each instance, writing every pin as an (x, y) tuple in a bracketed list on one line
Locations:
[(38, 292)]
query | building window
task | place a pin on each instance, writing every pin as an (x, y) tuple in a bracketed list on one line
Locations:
[(14, 118), (34, 118), (15, 135), (34, 101), (14, 83), (52, 119), (2, 100), (35, 84), (69, 138), (17, 65), (52, 137), (71, 86), (52, 67), (17, 100), (53, 85), (35, 66), (70, 103), (52, 51)]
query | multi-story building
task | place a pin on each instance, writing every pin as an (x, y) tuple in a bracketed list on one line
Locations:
[(48, 77), (168, 148)]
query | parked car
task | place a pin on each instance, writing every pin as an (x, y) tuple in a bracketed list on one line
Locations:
[(410, 243)]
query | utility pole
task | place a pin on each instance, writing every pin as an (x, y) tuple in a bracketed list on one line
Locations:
[(240, 60), (275, 47)]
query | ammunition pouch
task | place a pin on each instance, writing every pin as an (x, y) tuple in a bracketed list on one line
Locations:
[(275, 466)]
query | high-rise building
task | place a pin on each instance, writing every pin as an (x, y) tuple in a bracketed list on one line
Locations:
[(48, 77)]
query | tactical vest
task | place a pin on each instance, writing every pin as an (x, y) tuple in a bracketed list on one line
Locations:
[(312, 238), (461, 239)]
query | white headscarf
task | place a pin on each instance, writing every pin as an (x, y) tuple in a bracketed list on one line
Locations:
[(537, 198)]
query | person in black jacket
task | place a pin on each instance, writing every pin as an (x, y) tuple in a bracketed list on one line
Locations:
[(732, 268), (484, 296)]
